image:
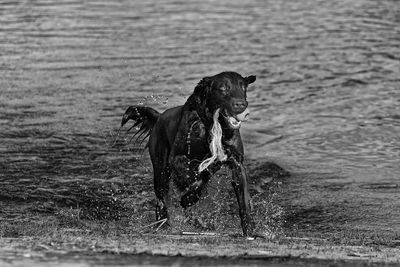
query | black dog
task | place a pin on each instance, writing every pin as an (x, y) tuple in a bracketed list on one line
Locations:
[(191, 142)]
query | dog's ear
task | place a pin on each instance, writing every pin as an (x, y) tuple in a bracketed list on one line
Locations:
[(203, 88), (250, 79)]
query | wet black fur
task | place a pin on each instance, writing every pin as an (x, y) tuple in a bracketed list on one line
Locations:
[(179, 142)]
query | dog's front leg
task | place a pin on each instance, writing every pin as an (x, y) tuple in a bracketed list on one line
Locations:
[(240, 186)]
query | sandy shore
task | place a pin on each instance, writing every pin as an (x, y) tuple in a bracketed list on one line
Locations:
[(131, 250)]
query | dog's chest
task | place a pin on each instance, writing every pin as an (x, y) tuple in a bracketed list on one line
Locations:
[(191, 139)]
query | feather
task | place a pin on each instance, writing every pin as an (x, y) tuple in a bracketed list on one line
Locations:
[(217, 151)]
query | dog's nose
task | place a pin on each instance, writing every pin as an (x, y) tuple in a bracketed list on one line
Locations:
[(240, 105)]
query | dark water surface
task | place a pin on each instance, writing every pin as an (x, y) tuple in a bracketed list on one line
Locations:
[(326, 104)]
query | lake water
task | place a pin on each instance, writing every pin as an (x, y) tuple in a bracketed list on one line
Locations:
[(326, 101)]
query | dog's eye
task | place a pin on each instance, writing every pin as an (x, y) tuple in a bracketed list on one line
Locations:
[(223, 89), (241, 85)]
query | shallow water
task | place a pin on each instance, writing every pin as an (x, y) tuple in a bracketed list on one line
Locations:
[(325, 103), (104, 259)]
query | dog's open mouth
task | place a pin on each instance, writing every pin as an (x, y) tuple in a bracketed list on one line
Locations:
[(234, 121)]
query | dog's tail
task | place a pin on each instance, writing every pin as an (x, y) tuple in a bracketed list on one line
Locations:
[(146, 117)]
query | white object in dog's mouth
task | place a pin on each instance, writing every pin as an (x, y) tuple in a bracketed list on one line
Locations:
[(235, 122)]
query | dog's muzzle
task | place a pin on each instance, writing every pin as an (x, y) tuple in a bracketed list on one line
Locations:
[(236, 121)]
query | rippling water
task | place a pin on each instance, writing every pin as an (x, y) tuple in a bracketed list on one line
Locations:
[(326, 98)]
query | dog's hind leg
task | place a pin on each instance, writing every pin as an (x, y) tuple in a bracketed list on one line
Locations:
[(159, 159), (161, 188), (161, 205)]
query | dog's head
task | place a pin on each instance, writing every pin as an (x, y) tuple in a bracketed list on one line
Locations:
[(225, 91)]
